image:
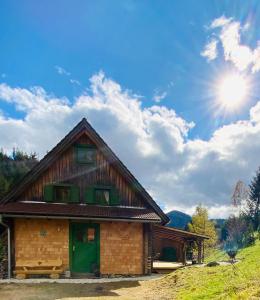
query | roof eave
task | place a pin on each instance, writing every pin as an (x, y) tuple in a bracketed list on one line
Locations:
[(47, 216)]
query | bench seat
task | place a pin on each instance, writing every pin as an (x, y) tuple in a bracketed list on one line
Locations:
[(38, 267)]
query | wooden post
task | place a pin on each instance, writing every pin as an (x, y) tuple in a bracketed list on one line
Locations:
[(199, 252), (203, 251), (147, 250), (184, 253)]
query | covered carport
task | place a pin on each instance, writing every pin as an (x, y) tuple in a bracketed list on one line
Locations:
[(174, 245)]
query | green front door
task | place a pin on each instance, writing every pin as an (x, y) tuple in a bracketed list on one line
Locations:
[(84, 247)]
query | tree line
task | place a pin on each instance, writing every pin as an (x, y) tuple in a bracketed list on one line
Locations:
[(13, 167), (240, 229)]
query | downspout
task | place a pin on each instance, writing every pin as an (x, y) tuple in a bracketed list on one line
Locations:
[(8, 245)]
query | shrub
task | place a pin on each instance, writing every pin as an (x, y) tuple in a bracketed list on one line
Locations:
[(240, 233)]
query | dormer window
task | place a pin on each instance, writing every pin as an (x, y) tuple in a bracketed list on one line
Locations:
[(85, 154)]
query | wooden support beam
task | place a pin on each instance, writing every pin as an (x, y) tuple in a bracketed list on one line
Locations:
[(184, 254), (199, 251), (203, 250)]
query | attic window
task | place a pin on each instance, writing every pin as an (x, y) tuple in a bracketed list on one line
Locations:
[(85, 154)]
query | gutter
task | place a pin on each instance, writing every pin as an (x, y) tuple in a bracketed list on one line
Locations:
[(8, 246)]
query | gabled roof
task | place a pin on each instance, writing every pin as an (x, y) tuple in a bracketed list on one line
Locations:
[(63, 145)]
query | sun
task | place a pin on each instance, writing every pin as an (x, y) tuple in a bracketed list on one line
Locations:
[(232, 91)]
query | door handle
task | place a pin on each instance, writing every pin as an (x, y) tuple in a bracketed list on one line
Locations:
[(73, 248)]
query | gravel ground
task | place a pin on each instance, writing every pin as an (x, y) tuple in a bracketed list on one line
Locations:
[(80, 280)]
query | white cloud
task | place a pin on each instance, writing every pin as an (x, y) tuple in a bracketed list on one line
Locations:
[(152, 141), (242, 56), (62, 71), (74, 81), (220, 22), (222, 211), (158, 97), (210, 50)]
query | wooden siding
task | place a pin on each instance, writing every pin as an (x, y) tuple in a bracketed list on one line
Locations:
[(66, 170), (148, 260)]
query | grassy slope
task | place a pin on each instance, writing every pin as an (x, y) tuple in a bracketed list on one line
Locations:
[(223, 282), (216, 255)]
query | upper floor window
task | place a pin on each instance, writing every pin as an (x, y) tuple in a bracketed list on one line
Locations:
[(102, 195), (85, 154), (61, 193)]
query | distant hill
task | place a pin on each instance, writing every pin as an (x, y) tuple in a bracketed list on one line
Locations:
[(178, 219), (219, 225), (219, 222)]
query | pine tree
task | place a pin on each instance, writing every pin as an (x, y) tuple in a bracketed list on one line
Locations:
[(253, 202), (4, 186), (13, 168)]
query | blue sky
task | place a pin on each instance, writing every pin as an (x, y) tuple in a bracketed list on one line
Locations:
[(146, 46), (155, 52)]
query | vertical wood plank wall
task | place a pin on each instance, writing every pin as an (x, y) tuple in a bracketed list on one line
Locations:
[(66, 170)]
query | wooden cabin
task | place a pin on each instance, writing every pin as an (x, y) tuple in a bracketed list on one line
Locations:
[(80, 211)]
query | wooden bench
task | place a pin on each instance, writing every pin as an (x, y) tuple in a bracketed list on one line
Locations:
[(38, 267)]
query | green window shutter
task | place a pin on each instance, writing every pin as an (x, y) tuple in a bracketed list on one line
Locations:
[(114, 197), (74, 194), (90, 195), (48, 193)]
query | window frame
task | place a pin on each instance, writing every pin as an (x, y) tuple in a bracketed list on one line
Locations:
[(87, 147), (74, 193), (55, 186), (90, 195), (104, 188)]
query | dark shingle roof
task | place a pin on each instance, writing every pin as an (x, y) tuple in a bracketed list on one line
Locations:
[(78, 210), (169, 232)]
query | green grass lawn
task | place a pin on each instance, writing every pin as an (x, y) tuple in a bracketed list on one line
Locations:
[(241, 281), (216, 255)]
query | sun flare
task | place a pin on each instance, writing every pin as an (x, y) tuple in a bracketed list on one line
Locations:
[(231, 91)]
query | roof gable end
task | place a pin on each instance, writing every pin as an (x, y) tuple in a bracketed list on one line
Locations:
[(64, 144)]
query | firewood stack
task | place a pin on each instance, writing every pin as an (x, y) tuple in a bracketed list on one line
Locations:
[(3, 255)]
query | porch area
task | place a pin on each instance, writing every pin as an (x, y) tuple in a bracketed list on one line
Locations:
[(172, 248), (164, 267)]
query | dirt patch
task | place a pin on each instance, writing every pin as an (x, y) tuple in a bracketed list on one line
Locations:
[(67, 291)]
